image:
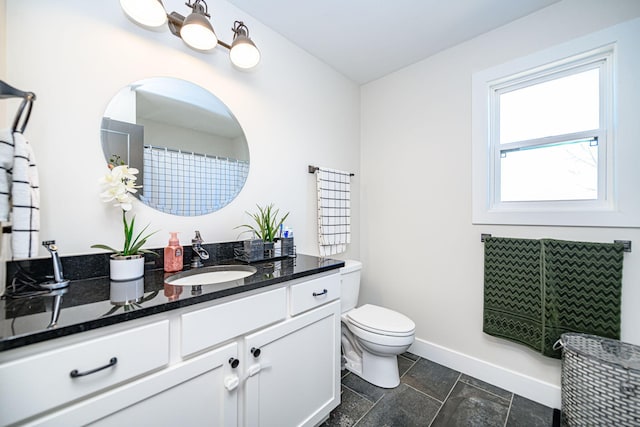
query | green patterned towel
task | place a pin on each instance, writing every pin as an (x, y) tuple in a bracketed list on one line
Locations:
[(582, 290), (534, 290), (512, 290)]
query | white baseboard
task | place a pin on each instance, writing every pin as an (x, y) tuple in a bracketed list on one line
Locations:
[(515, 382)]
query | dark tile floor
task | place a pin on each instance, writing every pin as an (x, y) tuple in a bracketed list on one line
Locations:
[(430, 394)]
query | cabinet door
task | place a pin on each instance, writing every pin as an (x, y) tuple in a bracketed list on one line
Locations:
[(295, 380), (202, 391)]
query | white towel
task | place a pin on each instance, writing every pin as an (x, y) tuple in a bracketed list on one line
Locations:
[(334, 210), (25, 200)]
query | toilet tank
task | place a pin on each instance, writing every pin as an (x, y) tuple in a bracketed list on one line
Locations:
[(349, 284)]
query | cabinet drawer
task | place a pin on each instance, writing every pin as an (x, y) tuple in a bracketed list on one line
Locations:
[(307, 295), (43, 381), (210, 326)]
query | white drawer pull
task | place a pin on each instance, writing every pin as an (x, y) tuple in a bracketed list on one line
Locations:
[(75, 373), (319, 294)]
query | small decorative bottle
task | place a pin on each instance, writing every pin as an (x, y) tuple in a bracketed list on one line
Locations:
[(173, 254)]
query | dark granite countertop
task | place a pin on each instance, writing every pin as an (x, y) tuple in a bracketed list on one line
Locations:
[(90, 303)]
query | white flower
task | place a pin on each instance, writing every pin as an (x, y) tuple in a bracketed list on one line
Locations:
[(118, 184)]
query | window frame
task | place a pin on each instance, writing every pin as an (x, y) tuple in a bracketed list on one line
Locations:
[(602, 59), (622, 205)]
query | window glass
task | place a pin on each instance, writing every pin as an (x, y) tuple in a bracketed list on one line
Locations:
[(554, 107), (567, 171)]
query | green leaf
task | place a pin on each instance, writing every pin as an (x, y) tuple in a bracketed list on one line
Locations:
[(108, 248), (146, 251), (132, 246), (267, 222)]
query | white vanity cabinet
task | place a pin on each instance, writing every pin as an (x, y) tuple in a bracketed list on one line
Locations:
[(190, 393), (293, 370), (195, 366), (202, 391), (294, 366), (61, 372)]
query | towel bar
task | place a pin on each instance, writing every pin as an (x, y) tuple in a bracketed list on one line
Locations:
[(626, 244), (314, 169)]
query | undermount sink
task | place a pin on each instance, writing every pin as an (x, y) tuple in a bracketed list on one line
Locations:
[(211, 275)]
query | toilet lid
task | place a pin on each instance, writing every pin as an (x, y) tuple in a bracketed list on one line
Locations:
[(381, 320)]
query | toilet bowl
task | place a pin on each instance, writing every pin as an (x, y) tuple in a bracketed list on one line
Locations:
[(372, 336)]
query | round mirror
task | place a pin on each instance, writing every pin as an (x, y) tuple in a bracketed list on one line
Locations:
[(190, 150)]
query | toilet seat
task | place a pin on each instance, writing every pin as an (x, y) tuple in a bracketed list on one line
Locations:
[(382, 321)]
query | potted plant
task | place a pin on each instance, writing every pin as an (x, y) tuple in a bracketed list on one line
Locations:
[(266, 226), (118, 186)]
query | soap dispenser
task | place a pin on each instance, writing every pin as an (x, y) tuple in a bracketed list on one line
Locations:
[(173, 254)]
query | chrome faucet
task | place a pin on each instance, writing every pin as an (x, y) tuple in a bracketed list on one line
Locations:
[(199, 253), (59, 281)]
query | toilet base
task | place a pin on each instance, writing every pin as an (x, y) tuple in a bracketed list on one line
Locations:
[(381, 371)]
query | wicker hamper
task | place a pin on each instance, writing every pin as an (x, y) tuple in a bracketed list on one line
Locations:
[(600, 381)]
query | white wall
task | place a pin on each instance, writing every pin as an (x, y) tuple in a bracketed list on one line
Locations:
[(76, 55), (3, 61), (421, 254), (162, 134)]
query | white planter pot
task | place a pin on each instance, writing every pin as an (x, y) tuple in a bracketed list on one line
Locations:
[(126, 268)]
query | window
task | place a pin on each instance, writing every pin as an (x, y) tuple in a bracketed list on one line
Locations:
[(550, 143), (549, 135)]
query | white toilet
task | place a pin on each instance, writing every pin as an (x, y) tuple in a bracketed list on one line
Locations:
[(372, 336)]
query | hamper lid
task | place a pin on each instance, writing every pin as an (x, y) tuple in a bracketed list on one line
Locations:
[(601, 348)]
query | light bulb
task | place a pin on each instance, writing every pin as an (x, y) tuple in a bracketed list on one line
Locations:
[(243, 53), (148, 13), (198, 33)]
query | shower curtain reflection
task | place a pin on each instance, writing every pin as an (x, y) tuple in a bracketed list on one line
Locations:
[(189, 184)]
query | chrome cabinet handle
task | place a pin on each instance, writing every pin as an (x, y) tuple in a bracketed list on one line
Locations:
[(319, 294), (75, 373)]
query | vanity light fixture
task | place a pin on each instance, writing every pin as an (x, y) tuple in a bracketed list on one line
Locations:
[(243, 52), (195, 30)]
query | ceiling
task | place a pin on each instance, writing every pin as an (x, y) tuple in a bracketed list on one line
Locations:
[(367, 39)]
